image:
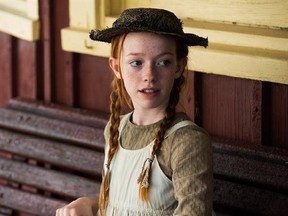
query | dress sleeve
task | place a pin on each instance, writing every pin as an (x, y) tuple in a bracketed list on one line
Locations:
[(192, 172)]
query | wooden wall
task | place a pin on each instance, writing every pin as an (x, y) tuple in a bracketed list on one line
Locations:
[(238, 110)]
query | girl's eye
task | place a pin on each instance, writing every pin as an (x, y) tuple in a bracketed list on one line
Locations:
[(136, 63), (165, 63)]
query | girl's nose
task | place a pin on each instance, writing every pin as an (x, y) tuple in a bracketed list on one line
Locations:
[(149, 74)]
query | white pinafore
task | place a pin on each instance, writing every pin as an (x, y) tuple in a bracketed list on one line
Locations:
[(125, 169)]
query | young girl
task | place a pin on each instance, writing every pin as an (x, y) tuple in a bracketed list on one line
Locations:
[(157, 161)]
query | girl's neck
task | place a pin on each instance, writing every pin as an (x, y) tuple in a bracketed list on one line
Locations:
[(147, 117)]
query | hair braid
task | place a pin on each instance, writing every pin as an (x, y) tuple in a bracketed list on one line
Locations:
[(182, 52), (115, 111), (115, 108), (170, 113), (164, 126)]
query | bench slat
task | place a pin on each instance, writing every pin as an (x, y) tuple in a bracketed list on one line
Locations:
[(52, 152), (29, 203), (260, 152), (69, 114), (56, 182), (247, 200), (57, 129), (249, 169)]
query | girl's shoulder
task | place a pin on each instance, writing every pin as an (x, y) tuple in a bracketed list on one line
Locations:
[(181, 117), (185, 127)]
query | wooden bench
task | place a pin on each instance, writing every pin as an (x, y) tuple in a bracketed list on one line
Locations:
[(51, 155), (250, 180)]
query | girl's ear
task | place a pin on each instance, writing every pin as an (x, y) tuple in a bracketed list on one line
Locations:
[(180, 68), (114, 65)]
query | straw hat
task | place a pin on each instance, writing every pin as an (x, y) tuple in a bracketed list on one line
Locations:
[(153, 20)]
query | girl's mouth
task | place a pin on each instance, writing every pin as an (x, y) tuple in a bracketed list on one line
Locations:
[(149, 91)]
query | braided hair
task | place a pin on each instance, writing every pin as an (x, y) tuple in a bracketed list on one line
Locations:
[(120, 95)]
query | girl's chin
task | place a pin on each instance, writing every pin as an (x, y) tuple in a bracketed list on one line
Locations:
[(151, 105)]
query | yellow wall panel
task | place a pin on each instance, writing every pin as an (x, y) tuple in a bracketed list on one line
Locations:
[(244, 12), (86, 13), (24, 15), (247, 38)]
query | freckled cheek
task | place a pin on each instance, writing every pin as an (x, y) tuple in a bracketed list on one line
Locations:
[(130, 84), (129, 80), (131, 76)]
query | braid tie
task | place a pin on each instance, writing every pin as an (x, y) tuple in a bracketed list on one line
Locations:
[(105, 187), (143, 179)]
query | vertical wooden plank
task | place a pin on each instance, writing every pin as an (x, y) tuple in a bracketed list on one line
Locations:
[(26, 69), (45, 11), (63, 61), (39, 70), (227, 107), (95, 79), (6, 68), (266, 113), (187, 99), (279, 115), (198, 96), (256, 108)]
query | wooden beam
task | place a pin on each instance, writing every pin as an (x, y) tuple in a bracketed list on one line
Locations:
[(75, 40), (20, 19)]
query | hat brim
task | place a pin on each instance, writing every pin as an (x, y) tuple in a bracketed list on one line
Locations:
[(106, 35)]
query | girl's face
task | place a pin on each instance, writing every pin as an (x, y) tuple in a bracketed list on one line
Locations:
[(149, 67)]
